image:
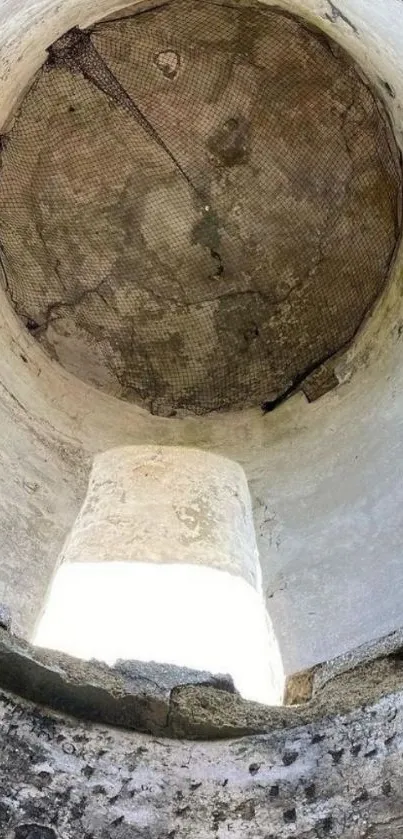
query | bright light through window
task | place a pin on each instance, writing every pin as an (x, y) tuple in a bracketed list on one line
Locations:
[(181, 614)]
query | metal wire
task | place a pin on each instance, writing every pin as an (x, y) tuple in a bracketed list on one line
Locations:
[(199, 204)]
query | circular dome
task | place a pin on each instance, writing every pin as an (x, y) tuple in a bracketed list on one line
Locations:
[(198, 205)]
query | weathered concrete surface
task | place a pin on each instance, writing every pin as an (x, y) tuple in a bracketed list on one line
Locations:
[(337, 777), (326, 482), (166, 504), (183, 703), (325, 478), (134, 695), (112, 258), (169, 676)]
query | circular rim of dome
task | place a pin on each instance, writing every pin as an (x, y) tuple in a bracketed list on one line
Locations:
[(315, 378)]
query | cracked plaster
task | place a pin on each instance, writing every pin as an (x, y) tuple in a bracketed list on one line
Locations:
[(339, 776)]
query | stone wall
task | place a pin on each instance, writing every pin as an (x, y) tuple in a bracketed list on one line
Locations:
[(328, 499), (339, 777)]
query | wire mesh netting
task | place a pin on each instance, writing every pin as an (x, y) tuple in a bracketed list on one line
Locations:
[(199, 204)]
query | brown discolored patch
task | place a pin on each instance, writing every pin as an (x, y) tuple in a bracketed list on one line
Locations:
[(320, 382), (230, 143)]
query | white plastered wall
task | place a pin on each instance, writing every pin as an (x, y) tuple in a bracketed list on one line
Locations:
[(326, 479)]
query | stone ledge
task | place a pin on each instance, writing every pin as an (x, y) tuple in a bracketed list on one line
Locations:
[(133, 695), (180, 703)]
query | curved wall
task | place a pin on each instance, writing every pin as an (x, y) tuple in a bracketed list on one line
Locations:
[(325, 478)]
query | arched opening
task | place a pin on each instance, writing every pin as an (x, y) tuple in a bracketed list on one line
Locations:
[(162, 566)]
